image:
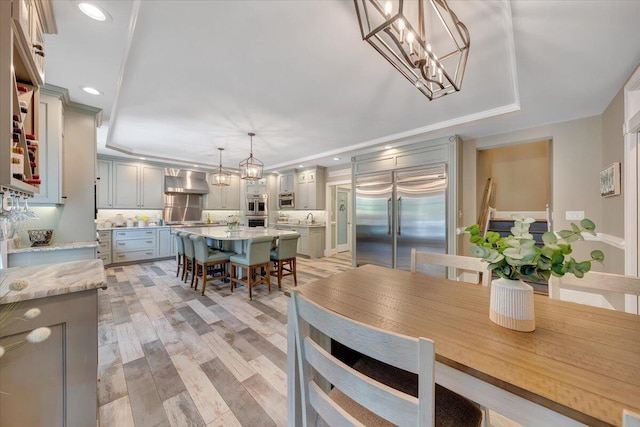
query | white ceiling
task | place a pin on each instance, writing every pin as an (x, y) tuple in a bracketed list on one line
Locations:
[(181, 78)]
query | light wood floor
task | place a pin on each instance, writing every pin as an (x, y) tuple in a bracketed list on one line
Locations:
[(169, 356)]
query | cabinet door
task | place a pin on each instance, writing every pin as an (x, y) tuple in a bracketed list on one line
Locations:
[(125, 185), (151, 187), (164, 242), (302, 196), (104, 179), (214, 198), (286, 183), (230, 197), (50, 137)]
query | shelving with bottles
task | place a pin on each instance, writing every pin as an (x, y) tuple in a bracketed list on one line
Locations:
[(21, 74)]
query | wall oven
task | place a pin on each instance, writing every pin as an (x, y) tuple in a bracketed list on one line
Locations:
[(256, 221), (286, 201), (256, 205)]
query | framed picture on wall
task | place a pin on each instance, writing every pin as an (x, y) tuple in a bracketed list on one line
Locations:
[(610, 180)]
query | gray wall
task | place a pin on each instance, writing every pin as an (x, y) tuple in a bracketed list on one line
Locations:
[(577, 155)]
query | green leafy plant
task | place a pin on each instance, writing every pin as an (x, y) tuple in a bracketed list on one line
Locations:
[(516, 256)]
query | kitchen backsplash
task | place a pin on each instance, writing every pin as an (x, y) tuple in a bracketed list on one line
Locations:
[(218, 216), (318, 216)]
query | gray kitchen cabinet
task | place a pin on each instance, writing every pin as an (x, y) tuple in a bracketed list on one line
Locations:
[(50, 143), (311, 189), (104, 246), (134, 245), (104, 184), (224, 197), (165, 243), (137, 185), (311, 241), (257, 187), (287, 182)]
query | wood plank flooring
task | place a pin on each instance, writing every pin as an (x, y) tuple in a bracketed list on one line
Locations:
[(169, 356)]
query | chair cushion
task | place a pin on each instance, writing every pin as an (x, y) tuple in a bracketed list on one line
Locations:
[(239, 259), (452, 410), (214, 256)]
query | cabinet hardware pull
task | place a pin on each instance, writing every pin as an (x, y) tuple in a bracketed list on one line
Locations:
[(149, 241), (149, 232), (149, 253), (121, 243), (121, 256)]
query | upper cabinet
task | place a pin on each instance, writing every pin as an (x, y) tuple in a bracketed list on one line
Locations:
[(224, 197), (257, 187), (104, 184), (287, 180), (134, 185), (21, 74), (50, 147), (311, 188)]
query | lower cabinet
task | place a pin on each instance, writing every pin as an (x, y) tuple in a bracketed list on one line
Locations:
[(104, 247), (134, 245), (311, 241), (53, 383), (166, 243)]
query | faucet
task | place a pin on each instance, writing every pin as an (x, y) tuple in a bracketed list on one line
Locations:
[(312, 220)]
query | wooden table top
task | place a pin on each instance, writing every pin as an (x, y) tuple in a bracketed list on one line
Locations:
[(581, 361)]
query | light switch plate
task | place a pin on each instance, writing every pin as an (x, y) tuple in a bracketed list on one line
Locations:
[(574, 215)]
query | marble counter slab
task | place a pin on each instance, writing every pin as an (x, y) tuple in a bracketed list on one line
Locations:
[(54, 247), (132, 228), (302, 224), (244, 233), (47, 280)]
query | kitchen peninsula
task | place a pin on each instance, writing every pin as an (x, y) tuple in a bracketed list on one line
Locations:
[(52, 383)]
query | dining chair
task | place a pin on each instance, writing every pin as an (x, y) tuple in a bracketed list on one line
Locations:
[(630, 419), (208, 261), (475, 265), (359, 396), (180, 252), (606, 290), (283, 258), (256, 261), (189, 256)]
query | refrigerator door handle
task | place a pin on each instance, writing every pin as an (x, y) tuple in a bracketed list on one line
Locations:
[(399, 216), (389, 216)]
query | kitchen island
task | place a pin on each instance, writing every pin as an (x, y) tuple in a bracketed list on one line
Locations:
[(236, 237), (53, 383)]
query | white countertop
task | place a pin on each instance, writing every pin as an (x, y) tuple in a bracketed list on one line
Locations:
[(162, 226), (302, 224), (54, 247), (47, 280), (244, 233)]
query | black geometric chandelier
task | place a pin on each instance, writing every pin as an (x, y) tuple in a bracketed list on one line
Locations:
[(423, 39)]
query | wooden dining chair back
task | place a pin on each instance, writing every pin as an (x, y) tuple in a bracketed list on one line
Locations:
[(357, 399), (208, 261), (256, 261), (610, 288), (189, 257), (283, 258), (481, 273), (179, 253)]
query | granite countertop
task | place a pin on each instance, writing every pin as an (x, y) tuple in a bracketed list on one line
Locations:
[(48, 280), (53, 247), (213, 224), (302, 224)]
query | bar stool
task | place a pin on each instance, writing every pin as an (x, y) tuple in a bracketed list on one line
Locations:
[(180, 250), (206, 261), (255, 259), (189, 257), (283, 258)]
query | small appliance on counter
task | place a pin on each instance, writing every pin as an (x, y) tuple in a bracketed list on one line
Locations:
[(119, 220)]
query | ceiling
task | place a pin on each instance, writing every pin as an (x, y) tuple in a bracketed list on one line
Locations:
[(181, 78)]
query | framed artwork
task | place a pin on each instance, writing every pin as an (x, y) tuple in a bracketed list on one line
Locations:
[(610, 180)]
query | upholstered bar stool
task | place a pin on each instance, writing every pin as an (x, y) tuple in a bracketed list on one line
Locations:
[(180, 252), (206, 261), (189, 257), (255, 259), (283, 258)]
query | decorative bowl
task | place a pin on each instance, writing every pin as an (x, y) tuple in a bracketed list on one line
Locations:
[(40, 237)]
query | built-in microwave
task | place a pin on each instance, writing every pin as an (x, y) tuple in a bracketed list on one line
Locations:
[(286, 201)]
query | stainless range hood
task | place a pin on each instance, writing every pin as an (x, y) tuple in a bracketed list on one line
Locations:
[(183, 190), (185, 181)]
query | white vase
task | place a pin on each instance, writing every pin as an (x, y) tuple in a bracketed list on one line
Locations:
[(512, 305)]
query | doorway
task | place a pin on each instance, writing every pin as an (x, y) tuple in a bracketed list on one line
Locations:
[(343, 223)]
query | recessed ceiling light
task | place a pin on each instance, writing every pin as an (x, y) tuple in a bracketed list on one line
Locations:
[(142, 158), (336, 158), (93, 11), (91, 90), (387, 147), (300, 166), (195, 166)]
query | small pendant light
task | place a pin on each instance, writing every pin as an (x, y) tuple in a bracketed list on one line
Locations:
[(251, 168), (221, 177)]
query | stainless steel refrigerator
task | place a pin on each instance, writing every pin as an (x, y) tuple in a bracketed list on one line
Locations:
[(400, 210)]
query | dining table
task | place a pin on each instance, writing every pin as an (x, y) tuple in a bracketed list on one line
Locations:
[(580, 366)]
